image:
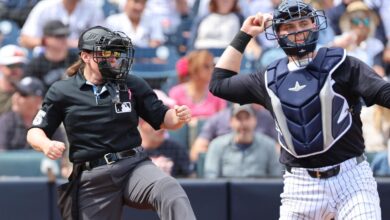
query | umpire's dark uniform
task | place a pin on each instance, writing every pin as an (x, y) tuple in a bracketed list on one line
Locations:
[(97, 129)]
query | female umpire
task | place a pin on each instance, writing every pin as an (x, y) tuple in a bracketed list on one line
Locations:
[(99, 105)]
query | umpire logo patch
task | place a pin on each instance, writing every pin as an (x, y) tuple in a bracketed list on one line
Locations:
[(123, 107)]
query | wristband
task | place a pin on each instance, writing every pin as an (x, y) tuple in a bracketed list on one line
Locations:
[(240, 41)]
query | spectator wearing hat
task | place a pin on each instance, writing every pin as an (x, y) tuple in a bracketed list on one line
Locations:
[(219, 124), (50, 65), (26, 102), (12, 61), (358, 25), (242, 152)]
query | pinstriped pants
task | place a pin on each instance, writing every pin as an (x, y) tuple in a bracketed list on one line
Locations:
[(351, 195), (135, 182)]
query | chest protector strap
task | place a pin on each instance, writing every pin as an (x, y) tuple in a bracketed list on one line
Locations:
[(310, 115)]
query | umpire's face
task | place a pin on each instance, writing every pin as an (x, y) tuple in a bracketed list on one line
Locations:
[(91, 67)]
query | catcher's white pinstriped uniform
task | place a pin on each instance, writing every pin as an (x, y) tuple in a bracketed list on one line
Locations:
[(344, 196)]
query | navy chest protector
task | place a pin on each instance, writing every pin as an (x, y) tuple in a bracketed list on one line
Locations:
[(310, 116)]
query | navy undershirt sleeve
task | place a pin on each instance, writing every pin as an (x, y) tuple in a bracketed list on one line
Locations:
[(238, 88)]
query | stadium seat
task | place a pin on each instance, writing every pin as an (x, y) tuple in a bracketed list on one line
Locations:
[(181, 135), (217, 52), (27, 163), (370, 156), (155, 65), (10, 32), (199, 166)]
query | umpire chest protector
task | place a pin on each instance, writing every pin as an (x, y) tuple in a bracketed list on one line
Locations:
[(310, 115)]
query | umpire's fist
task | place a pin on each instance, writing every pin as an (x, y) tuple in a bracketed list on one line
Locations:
[(54, 149), (183, 113)]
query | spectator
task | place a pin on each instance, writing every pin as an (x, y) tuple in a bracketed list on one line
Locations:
[(12, 61), (50, 65), (26, 102), (243, 152), (219, 124), (166, 13), (167, 154), (194, 93), (77, 14), (376, 128), (334, 14), (182, 69), (144, 31), (382, 7), (207, 31), (358, 25), (16, 10)]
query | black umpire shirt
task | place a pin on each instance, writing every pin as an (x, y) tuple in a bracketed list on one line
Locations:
[(94, 124), (353, 79)]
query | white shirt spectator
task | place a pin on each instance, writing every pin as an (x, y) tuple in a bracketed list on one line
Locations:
[(211, 34), (147, 30), (165, 11), (85, 15)]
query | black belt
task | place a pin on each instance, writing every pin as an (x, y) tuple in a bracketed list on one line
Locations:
[(328, 173), (109, 158)]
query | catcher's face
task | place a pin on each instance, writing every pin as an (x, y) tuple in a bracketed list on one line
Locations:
[(296, 31)]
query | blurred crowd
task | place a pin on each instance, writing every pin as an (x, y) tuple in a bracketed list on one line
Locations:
[(38, 41)]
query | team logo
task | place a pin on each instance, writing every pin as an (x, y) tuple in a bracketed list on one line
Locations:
[(297, 87), (39, 117), (123, 107)]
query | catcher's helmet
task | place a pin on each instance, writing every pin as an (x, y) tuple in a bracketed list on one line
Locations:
[(294, 10), (113, 51)]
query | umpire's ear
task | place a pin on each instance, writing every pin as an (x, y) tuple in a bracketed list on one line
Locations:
[(85, 56)]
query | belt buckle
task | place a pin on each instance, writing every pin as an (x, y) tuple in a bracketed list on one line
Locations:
[(318, 174), (108, 158)]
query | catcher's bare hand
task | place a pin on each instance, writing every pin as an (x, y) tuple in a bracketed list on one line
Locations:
[(255, 24)]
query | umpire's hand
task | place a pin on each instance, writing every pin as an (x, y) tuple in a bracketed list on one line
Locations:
[(54, 149)]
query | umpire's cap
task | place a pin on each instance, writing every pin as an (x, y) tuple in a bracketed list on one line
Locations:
[(90, 36)]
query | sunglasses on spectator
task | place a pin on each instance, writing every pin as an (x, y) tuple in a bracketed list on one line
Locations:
[(16, 65), (358, 21)]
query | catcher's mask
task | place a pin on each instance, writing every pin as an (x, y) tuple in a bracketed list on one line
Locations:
[(296, 10)]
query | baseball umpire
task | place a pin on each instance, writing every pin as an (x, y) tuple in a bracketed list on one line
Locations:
[(99, 105), (315, 99)]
